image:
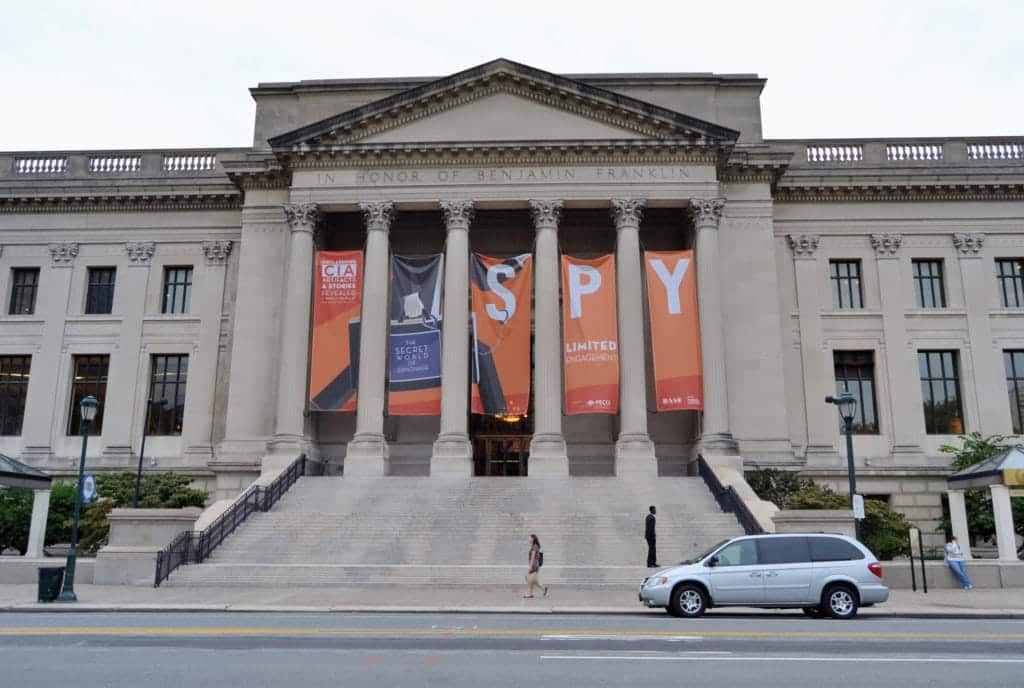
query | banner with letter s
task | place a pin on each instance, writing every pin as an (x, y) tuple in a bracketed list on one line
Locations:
[(675, 329), (590, 335), (414, 338), (337, 300), (500, 354)]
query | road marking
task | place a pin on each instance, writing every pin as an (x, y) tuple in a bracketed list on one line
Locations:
[(630, 638), (695, 657)]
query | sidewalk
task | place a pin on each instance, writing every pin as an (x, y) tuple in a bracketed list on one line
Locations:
[(1003, 603)]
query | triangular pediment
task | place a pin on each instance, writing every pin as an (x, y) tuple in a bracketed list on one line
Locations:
[(503, 101)]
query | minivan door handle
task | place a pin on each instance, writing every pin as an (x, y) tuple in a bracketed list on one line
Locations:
[(772, 575), (755, 574)]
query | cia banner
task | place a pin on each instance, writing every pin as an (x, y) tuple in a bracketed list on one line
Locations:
[(590, 334), (675, 329), (337, 300), (414, 340), (500, 354)]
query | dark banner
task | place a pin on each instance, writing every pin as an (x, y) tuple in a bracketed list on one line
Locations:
[(414, 341), (337, 298)]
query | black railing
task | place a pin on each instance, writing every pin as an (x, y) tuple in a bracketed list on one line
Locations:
[(195, 546), (728, 500)]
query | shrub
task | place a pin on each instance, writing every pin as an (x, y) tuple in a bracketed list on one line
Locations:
[(777, 486), (818, 497), (884, 531)]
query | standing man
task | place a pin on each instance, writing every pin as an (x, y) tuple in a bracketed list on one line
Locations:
[(652, 550)]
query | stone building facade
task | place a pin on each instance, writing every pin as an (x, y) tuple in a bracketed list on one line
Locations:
[(892, 268)]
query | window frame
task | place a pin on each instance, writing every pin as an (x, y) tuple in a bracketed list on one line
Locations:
[(170, 420), (96, 386), (1014, 375), (17, 295), (944, 380), (1014, 277), (95, 299), (11, 425), (935, 282), (838, 281), (180, 292), (842, 384)]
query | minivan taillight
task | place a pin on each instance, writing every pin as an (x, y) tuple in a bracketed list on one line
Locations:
[(875, 568)]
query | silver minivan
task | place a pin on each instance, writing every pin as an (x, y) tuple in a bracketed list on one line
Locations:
[(824, 575)]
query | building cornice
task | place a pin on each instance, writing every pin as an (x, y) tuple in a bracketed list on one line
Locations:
[(41, 203), (997, 191)]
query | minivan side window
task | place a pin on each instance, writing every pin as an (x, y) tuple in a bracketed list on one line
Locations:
[(783, 550), (742, 553), (833, 549)]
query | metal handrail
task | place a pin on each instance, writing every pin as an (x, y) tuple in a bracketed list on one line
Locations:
[(728, 499), (195, 546)]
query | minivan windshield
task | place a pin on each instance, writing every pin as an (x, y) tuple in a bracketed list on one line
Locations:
[(704, 554)]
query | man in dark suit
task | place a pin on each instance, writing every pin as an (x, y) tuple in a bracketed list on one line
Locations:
[(652, 550)]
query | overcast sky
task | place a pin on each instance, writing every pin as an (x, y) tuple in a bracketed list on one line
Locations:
[(120, 74)]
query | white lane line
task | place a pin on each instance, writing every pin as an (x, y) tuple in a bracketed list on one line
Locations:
[(692, 657), (630, 638)]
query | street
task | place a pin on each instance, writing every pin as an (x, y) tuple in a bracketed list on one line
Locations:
[(352, 649)]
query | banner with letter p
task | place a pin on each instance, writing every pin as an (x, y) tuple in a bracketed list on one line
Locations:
[(590, 335), (675, 329)]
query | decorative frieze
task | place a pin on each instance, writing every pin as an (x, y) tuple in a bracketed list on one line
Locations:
[(546, 214), (63, 254), (886, 245), (140, 252), (379, 215), (302, 217), (626, 212), (706, 212), (969, 244), (803, 245), (217, 252), (458, 214)]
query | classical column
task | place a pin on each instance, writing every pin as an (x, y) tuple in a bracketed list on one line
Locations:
[(1006, 540), (202, 378), (294, 358), (37, 528), (810, 285), (367, 453), (716, 437), (987, 363), (907, 429), (42, 416), (634, 450), (547, 448), (958, 519), (453, 453)]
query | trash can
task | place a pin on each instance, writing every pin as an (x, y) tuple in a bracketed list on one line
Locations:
[(50, 581)]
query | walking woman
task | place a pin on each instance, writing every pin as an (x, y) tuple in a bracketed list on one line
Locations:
[(536, 559)]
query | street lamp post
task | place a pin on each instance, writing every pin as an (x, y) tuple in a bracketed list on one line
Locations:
[(142, 450), (88, 408), (846, 404)]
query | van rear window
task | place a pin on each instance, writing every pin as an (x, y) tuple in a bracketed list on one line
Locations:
[(833, 549)]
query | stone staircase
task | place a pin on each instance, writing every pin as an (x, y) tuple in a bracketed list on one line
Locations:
[(471, 531)]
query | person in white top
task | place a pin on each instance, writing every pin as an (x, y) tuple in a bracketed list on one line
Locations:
[(956, 564)]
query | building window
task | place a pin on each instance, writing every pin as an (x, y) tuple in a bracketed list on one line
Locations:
[(13, 390), (170, 373), (1010, 273), (846, 285), (24, 285), (929, 290), (177, 289), (90, 378), (99, 297), (940, 392), (855, 373), (1014, 363)]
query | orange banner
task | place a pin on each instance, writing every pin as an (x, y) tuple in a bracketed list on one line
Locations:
[(590, 335), (337, 300), (500, 358), (675, 329)]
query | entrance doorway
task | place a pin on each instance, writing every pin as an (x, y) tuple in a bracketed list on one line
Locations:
[(501, 444)]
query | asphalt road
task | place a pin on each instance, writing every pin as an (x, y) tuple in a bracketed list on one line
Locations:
[(311, 650)]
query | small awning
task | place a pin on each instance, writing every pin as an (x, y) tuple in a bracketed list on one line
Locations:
[(14, 473), (1005, 468)]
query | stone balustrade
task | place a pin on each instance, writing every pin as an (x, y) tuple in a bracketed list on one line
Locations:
[(18, 166), (851, 153)]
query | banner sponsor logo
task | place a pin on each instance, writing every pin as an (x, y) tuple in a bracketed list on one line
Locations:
[(675, 329), (590, 335), (500, 357), (414, 342), (337, 300)]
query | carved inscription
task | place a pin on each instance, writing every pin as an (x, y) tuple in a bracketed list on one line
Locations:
[(511, 175)]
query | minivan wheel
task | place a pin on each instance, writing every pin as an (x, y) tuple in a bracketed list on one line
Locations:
[(688, 601), (813, 612), (839, 602)]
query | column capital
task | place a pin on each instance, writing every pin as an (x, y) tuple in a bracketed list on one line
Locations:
[(63, 254), (969, 243), (803, 245), (706, 212), (140, 252), (378, 215), (886, 245), (458, 214), (626, 212), (546, 214), (217, 252), (302, 217)]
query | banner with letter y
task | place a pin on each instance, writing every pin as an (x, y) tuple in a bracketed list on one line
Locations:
[(590, 335), (675, 330)]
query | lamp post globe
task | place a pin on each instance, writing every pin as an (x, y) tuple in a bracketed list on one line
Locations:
[(88, 409), (846, 405)]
